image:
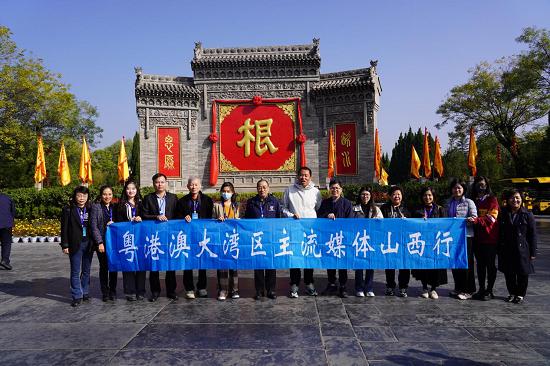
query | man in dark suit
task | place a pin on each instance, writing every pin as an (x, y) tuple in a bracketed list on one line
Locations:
[(7, 215), (195, 205), (161, 206)]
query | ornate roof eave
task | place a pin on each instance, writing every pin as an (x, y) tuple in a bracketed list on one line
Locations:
[(148, 85), (350, 80), (255, 62)]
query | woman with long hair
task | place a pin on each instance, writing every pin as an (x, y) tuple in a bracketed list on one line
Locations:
[(130, 208), (365, 208)]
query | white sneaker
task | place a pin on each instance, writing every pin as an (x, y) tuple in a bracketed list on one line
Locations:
[(425, 294), (294, 292), (370, 294), (222, 295), (235, 294), (190, 295), (360, 294), (464, 296), (434, 295)]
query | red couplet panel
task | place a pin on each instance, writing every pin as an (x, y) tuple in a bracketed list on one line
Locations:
[(257, 137), (346, 148), (168, 151)]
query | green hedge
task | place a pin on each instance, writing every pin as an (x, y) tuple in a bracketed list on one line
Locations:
[(47, 203)]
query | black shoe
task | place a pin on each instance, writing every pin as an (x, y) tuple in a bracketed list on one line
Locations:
[(140, 298), (510, 298), (112, 298), (518, 300), (6, 265), (154, 297), (389, 291), (131, 298), (271, 295), (76, 302), (172, 297), (105, 298), (86, 298), (331, 289), (487, 295), (342, 293), (259, 295)]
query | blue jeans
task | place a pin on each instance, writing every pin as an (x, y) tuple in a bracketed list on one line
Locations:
[(81, 262), (365, 285)]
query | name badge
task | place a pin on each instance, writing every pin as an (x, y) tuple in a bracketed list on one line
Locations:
[(194, 216), (84, 231)]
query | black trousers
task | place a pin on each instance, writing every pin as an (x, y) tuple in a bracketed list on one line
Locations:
[(170, 280), (108, 280), (265, 279), (188, 280), (342, 276), (296, 274), (516, 283), (134, 283), (486, 268), (465, 281), (5, 238), (403, 278)]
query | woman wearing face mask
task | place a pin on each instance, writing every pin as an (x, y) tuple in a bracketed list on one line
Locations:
[(460, 206), (228, 208), (395, 209), (102, 214), (517, 246), (486, 237), (365, 208), (75, 242), (431, 277), (130, 209)]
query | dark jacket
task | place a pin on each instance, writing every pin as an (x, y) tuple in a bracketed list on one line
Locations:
[(185, 206), (71, 228), (270, 207), (342, 208), (98, 223), (437, 212), (122, 214), (517, 242), (7, 211), (388, 209), (151, 206)]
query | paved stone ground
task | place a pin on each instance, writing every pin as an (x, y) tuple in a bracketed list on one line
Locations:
[(38, 327)]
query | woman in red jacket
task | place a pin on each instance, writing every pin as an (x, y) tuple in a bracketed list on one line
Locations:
[(485, 236)]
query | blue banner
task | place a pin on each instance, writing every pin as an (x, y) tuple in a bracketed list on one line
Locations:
[(287, 243)]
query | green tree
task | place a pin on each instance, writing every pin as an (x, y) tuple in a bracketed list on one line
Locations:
[(33, 100), (400, 163), (105, 163), (499, 99)]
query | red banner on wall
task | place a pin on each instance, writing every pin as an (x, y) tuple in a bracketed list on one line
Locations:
[(168, 151), (257, 137), (346, 148)]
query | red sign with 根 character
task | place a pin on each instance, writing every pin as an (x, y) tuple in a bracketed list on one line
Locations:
[(257, 135), (346, 148), (168, 151)]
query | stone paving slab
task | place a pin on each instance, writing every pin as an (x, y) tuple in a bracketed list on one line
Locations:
[(38, 327)]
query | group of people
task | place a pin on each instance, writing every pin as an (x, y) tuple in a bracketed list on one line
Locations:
[(508, 232)]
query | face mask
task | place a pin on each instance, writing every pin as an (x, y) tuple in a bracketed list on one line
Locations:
[(226, 196), (481, 190)]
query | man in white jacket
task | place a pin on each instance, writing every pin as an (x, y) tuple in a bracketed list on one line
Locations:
[(301, 200)]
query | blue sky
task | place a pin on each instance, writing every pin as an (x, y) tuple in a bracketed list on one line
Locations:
[(424, 48)]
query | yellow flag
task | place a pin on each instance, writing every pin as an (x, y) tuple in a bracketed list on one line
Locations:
[(426, 156), (383, 177), (63, 167), (85, 169), (331, 154), (415, 163), (377, 156), (472, 153), (438, 162), (123, 172), (40, 168)]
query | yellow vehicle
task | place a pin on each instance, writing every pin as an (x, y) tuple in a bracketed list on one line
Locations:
[(536, 192)]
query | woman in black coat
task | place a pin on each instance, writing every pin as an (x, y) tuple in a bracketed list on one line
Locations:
[(130, 208), (431, 277), (75, 242), (517, 246), (102, 215)]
